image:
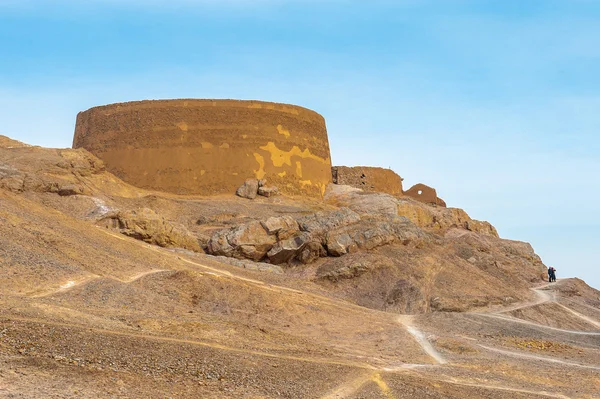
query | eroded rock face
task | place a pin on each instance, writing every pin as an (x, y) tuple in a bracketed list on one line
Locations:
[(32, 169), (423, 215), (7, 142), (320, 223), (372, 232), (146, 225), (335, 233)]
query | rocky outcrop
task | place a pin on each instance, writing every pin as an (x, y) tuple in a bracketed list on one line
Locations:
[(249, 240), (146, 225), (7, 142), (421, 214), (24, 168), (335, 233)]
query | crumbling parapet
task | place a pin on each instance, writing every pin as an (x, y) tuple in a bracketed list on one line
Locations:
[(368, 178), (426, 194)]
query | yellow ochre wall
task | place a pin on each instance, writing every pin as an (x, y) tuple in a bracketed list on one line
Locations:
[(208, 147)]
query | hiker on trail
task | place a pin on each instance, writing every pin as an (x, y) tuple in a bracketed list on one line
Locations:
[(551, 274)]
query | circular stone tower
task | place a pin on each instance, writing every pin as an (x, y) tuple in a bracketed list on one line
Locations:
[(208, 147)]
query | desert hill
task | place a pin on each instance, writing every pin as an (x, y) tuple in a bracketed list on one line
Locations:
[(109, 290)]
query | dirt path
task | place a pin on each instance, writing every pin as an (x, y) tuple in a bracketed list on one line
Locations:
[(539, 358), (349, 387), (67, 286), (455, 381), (582, 317), (75, 283), (407, 322), (224, 273), (529, 323), (542, 297)]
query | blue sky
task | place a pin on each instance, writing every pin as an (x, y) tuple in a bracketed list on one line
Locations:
[(494, 103)]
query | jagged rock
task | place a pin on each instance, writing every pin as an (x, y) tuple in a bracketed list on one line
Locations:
[(250, 240), (218, 244), (311, 252), (268, 191), (283, 239), (285, 250), (339, 244), (320, 223), (373, 232), (481, 227), (363, 203), (283, 226), (249, 189), (146, 225)]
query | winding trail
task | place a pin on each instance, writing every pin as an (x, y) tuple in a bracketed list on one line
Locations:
[(542, 297), (539, 358), (455, 381), (530, 323), (582, 317), (407, 322), (86, 280)]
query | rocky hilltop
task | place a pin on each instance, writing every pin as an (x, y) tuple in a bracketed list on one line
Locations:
[(111, 290)]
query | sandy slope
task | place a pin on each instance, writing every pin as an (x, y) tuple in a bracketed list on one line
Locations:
[(88, 313)]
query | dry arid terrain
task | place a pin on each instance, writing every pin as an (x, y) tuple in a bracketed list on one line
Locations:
[(110, 291)]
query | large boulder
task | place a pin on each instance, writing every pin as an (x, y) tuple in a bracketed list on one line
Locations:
[(249, 189), (250, 240), (284, 226), (146, 225), (269, 191), (287, 249), (320, 223)]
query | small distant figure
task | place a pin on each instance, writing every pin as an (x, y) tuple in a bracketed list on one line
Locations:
[(551, 274)]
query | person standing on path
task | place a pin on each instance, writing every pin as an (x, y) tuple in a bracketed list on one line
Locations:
[(551, 274)]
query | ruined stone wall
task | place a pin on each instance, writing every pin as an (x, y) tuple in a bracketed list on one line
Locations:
[(424, 193), (368, 178), (208, 147)]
